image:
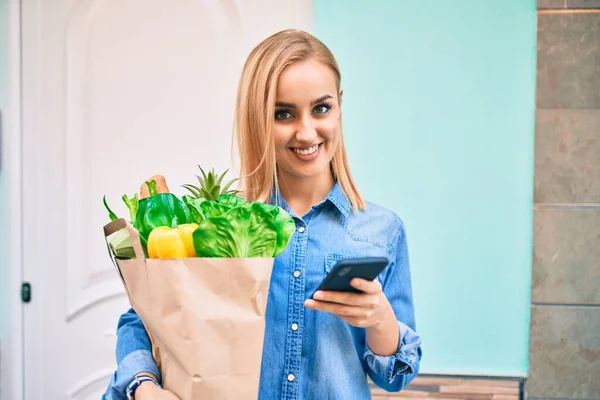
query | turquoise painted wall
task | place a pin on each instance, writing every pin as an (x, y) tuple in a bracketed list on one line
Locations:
[(439, 122)]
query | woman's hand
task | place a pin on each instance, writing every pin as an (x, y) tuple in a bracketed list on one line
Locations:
[(149, 391), (362, 310), (369, 309)]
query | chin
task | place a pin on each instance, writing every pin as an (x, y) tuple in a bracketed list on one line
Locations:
[(306, 172)]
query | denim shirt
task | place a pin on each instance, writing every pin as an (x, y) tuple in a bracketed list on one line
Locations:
[(311, 354)]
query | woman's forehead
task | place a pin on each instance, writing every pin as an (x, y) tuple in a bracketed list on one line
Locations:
[(307, 78)]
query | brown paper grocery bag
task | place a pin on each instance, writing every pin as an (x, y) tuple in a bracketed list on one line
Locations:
[(205, 317)]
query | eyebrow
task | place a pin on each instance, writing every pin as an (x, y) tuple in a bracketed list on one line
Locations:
[(312, 103)]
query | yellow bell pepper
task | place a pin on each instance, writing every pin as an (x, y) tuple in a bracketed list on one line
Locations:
[(167, 242)]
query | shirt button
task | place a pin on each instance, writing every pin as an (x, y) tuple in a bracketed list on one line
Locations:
[(294, 327), (301, 229), (291, 377), (296, 274)]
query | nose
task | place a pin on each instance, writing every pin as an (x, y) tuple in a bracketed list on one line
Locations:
[(305, 131)]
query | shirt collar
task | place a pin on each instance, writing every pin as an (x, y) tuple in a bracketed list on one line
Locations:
[(336, 197)]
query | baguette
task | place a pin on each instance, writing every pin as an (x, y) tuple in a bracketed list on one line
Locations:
[(161, 186)]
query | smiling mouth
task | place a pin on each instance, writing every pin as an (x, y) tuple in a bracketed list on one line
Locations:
[(306, 150)]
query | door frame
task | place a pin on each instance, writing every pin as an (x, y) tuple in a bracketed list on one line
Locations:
[(11, 347)]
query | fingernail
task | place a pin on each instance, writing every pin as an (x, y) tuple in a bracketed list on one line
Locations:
[(319, 296), (309, 303), (356, 282)]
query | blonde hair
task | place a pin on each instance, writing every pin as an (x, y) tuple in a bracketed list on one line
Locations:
[(255, 109)]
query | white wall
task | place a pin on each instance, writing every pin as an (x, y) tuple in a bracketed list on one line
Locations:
[(10, 209), (112, 92), (3, 189)]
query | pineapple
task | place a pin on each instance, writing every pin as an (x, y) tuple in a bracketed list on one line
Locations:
[(211, 185)]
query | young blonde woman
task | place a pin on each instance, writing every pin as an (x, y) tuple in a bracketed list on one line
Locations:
[(289, 132)]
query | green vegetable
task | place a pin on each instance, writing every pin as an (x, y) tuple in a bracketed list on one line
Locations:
[(111, 214), (120, 244), (132, 205), (210, 186), (237, 229), (284, 223), (239, 233), (160, 209), (228, 225), (193, 205), (231, 200), (211, 209), (285, 227)]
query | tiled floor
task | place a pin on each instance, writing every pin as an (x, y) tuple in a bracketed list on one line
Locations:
[(444, 388)]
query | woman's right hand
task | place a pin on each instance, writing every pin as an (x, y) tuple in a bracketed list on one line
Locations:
[(149, 391)]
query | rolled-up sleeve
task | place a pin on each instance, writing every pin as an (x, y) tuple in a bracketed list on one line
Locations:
[(134, 355), (405, 361), (393, 373)]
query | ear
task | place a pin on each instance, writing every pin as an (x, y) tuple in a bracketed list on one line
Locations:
[(340, 96)]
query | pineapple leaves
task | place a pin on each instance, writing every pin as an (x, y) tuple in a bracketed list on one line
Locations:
[(226, 188), (220, 180), (194, 190), (215, 192), (210, 185)]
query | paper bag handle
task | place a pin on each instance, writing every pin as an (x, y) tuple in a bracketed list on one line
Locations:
[(134, 236)]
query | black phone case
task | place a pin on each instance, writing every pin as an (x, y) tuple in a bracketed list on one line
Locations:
[(345, 270)]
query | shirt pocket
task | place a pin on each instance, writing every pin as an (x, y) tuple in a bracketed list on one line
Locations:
[(333, 258)]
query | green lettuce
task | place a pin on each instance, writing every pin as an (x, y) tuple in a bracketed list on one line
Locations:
[(241, 232), (193, 204), (235, 228), (230, 201), (285, 226)]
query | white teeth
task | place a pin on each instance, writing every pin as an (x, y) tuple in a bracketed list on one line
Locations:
[(307, 151)]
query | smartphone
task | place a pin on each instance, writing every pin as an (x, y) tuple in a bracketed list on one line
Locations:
[(344, 271)]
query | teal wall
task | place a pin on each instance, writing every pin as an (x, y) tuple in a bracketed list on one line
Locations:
[(439, 123)]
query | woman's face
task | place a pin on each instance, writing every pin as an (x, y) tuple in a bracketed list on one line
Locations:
[(307, 120)]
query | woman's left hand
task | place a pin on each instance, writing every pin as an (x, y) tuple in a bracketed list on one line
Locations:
[(362, 310)]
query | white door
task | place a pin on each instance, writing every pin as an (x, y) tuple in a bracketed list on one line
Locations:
[(115, 91)]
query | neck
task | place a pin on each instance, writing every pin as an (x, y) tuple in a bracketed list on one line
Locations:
[(302, 193)]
